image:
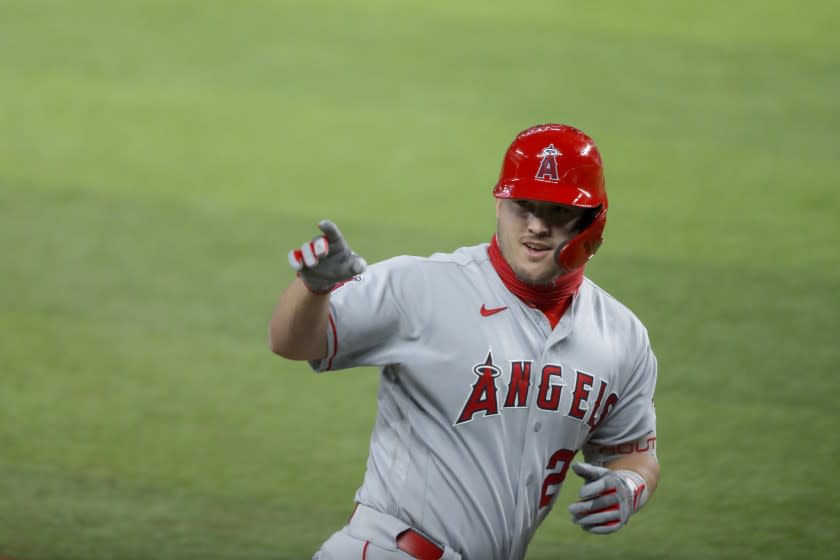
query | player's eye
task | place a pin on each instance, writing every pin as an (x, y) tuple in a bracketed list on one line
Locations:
[(525, 206), (566, 214)]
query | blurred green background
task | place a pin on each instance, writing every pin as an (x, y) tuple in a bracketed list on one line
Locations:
[(158, 159)]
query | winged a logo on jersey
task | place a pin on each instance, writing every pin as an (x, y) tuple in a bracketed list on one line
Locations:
[(483, 395), (548, 165)]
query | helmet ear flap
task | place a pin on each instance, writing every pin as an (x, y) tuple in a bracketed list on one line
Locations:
[(578, 250)]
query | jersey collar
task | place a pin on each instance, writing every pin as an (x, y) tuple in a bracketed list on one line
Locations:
[(552, 299)]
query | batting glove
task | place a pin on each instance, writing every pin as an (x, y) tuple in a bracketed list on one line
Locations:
[(608, 498), (326, 260)]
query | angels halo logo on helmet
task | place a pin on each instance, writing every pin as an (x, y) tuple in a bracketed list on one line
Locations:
[(548, 165), (560, 164)]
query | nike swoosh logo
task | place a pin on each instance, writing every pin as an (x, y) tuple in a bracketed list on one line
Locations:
[(485, 312)]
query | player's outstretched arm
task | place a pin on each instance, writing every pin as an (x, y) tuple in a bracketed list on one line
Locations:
[(615, 492), (298, 327)]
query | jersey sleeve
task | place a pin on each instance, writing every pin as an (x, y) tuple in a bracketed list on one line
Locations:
[(373, 317), (633, 418)]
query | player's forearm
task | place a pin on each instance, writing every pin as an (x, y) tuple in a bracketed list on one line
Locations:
[(298, 327), (643, 463)]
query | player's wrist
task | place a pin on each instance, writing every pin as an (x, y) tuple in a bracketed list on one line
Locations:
[(637, 486), (316, 290)]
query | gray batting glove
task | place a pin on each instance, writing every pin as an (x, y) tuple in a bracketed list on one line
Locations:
[(326, 260), (608, 498)]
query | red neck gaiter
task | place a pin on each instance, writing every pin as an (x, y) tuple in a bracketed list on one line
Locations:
[(552, 300)]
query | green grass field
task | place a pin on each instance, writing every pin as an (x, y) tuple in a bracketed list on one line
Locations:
[(158, 159)]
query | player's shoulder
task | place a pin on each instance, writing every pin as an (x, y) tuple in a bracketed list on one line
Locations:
[(416, 273), (464, 256), (611, 310), (459, 258)]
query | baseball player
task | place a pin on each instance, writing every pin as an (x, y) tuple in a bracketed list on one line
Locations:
[(499, 363)]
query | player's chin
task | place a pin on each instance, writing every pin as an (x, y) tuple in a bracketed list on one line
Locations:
[(537, 274)]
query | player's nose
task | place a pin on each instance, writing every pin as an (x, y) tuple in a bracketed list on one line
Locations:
[(537, 225)]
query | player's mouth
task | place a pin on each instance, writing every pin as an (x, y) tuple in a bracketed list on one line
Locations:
[(536, 250)]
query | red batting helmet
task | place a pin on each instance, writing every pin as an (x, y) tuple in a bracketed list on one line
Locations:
[(560, 164)]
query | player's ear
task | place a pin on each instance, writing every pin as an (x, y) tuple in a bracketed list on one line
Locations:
[(498, 206)]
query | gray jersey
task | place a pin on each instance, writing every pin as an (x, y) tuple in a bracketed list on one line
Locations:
[(482, 405)]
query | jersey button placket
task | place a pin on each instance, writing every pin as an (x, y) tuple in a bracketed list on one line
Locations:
[(541, 320), (527, 476)]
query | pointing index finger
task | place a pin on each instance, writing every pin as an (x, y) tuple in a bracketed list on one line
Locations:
[(330, 230)]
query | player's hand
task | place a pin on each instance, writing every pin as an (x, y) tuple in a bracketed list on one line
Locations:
[(326, 260), (608, 498)]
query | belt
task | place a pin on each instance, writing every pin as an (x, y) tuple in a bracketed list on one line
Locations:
[(414, 544)]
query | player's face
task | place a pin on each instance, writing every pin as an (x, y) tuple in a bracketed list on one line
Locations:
[(530, 231)]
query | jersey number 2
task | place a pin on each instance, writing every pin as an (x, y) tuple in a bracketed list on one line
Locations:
[(561, 460)]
